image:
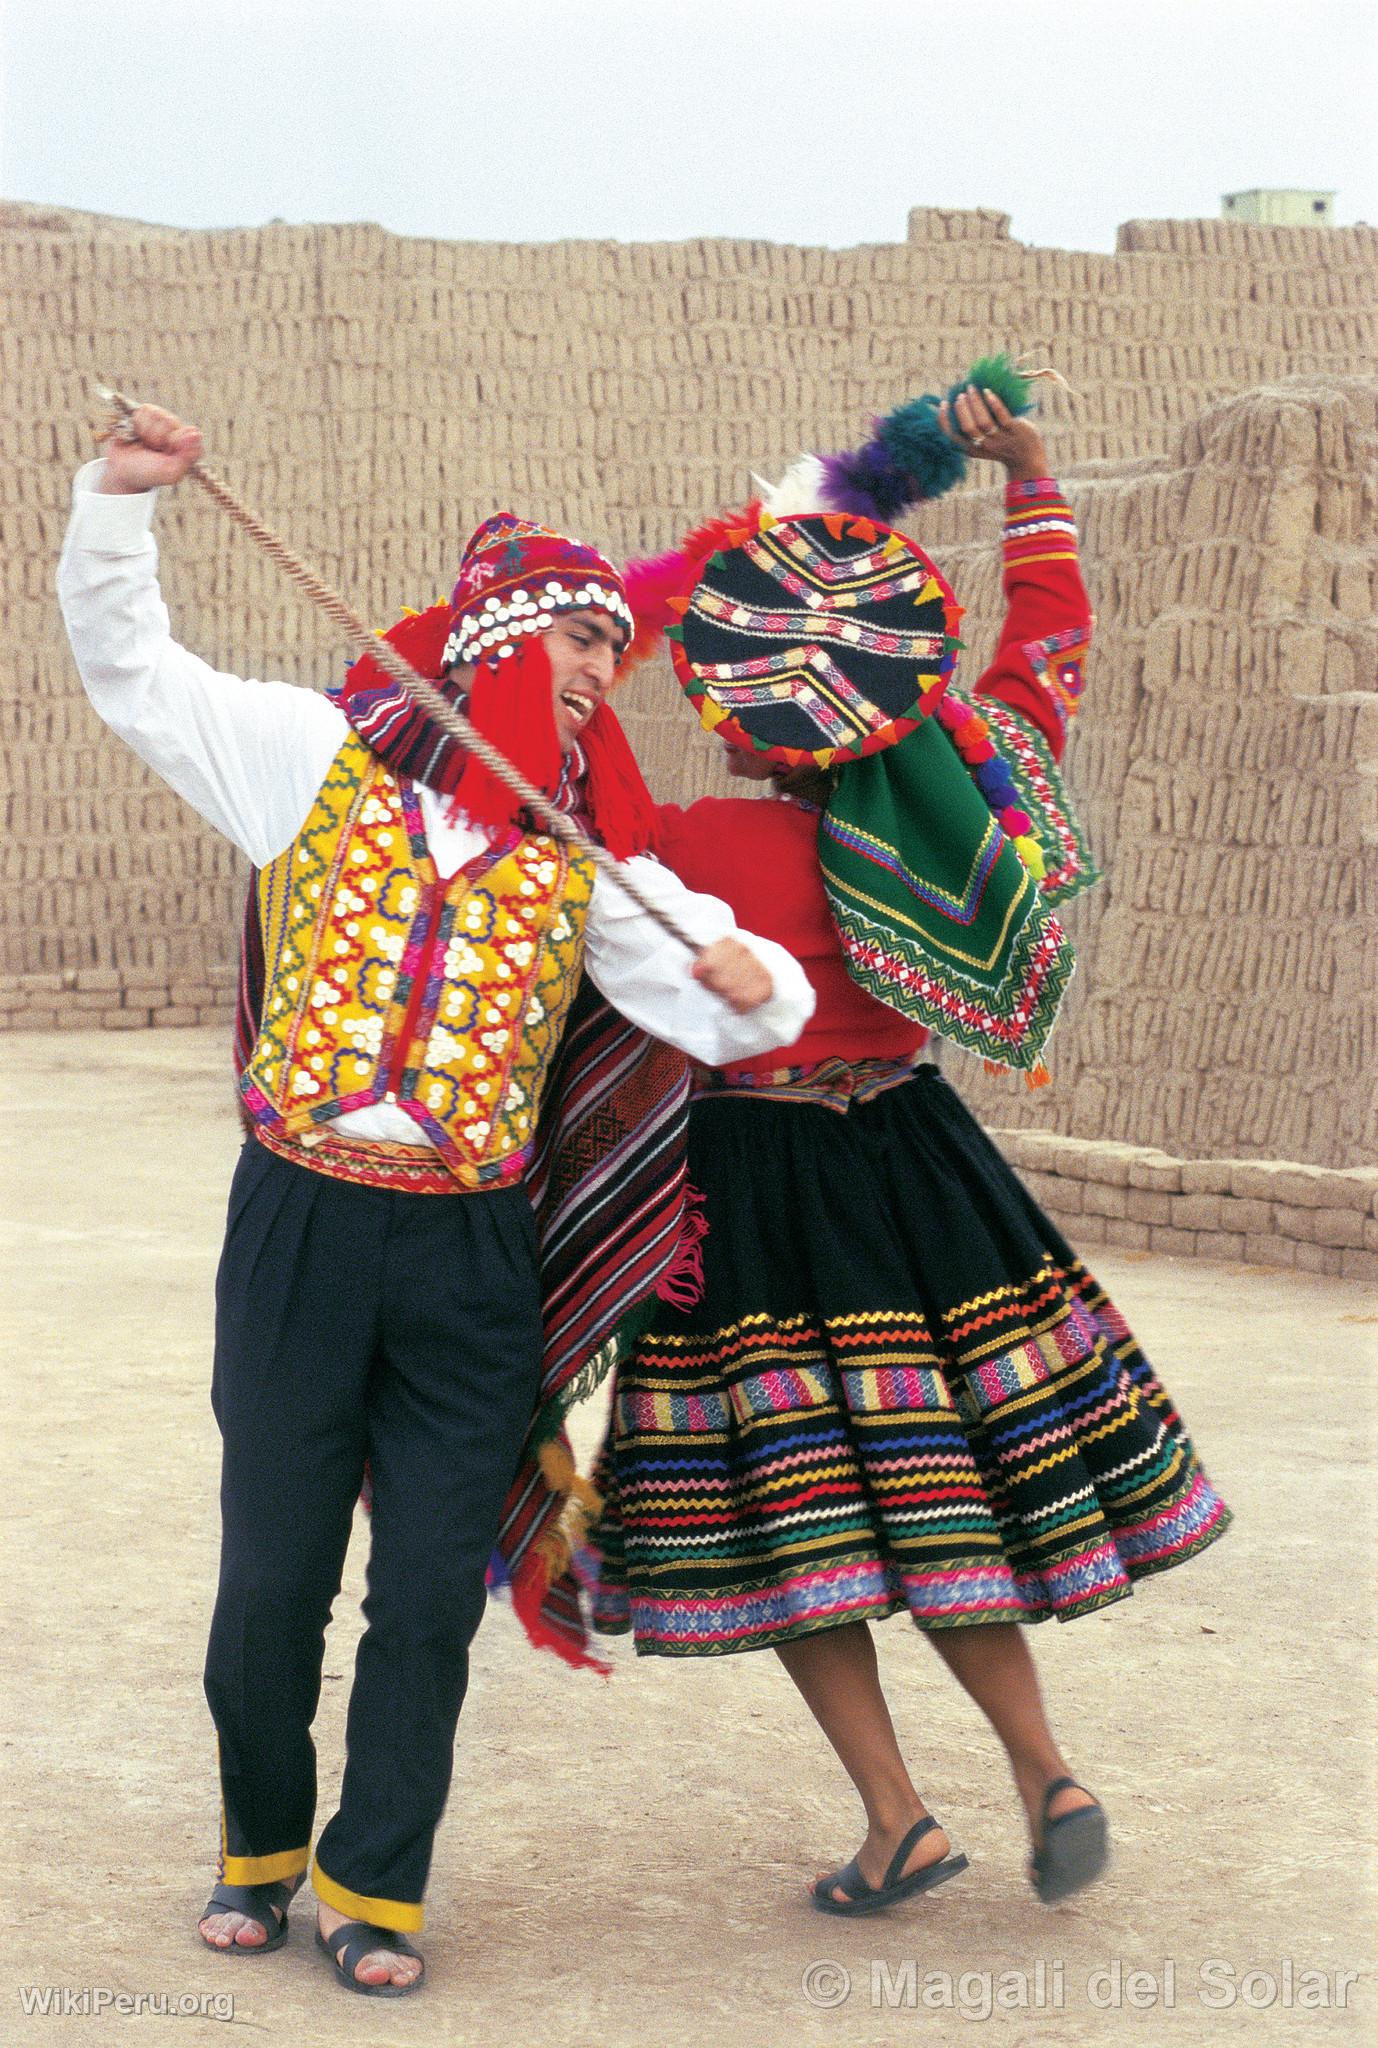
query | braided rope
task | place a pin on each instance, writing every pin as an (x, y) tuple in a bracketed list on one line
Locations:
[(446, 715)]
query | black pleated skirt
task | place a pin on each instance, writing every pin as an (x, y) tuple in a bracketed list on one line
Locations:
[(900, 1391)]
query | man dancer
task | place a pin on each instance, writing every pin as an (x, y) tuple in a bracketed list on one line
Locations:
[(377, 1297)]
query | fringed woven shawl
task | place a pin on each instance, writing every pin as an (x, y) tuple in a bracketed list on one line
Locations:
[(617, 1231)]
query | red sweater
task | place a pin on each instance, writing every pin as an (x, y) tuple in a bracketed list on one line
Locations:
[(762, 857)]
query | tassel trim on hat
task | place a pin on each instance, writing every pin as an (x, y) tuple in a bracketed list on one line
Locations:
[(658, 587), (970, 735)]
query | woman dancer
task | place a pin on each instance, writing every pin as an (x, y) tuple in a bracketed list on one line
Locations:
[(900, 1390)]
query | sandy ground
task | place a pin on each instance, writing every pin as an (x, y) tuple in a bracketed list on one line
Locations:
[(622, 1863)]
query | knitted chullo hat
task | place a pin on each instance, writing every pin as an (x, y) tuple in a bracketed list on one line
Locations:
[(515, 576)]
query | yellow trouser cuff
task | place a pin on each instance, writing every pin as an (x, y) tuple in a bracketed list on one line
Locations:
[(266, 1869), (401, 1917)]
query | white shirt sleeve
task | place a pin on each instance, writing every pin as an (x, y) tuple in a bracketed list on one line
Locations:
[(249, 756), (645, 974)]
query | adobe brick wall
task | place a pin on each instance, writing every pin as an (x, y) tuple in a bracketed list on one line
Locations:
[(1264, 1212), (375, 396), (1226, 1002)]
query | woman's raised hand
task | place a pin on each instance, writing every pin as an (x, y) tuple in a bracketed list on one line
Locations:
[(983, 425)]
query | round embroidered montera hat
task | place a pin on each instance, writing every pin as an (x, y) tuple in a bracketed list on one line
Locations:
[(818, 639), (515, 576)]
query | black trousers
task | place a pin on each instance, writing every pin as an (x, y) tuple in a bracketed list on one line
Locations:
[(358, 1323)]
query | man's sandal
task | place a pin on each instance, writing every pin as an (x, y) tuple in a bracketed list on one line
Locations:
[(355, 1939), (257, 1902), (868, 1898), (1075, 1848)]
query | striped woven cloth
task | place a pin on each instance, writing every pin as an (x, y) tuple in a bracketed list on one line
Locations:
[(617, 1235)]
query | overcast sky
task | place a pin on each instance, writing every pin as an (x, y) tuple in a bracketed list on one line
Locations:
[(817, 121)]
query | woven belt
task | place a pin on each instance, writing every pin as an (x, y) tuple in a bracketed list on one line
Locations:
[(828, 1084), (409, 1169)]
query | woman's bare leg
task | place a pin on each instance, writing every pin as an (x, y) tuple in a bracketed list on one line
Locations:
[(837, 1674), (992, 1663)]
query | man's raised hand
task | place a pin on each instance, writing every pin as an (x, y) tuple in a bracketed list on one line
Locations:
[(164, 452)]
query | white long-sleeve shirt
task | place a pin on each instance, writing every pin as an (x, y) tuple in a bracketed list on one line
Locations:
[(251, 757)]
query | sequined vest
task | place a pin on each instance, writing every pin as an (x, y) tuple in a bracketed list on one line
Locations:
[(384, 984)]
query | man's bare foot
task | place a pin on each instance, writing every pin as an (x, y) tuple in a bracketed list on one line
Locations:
[(228, 1929), (380, 1965), (225, 1930), (876, 1852)]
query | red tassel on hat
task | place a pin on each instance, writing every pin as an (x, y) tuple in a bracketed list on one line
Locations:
[(619, 804), (511, 703)]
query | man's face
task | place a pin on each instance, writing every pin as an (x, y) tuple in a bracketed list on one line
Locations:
[(583, 647)]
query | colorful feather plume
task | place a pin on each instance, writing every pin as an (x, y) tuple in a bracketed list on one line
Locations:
[(909, 459)]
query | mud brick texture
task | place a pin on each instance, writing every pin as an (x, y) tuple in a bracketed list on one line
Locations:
[(375, 396)]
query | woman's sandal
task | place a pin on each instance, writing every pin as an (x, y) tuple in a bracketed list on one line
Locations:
[(256, 1902), (1075, 1850), (868, 1898), (352, 1941)]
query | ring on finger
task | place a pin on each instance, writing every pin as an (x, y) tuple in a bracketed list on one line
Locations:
[(977, 439)]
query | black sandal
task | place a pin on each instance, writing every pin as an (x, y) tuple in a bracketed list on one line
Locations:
[(257, 1903), (1075, 1850), (352, 1941), (868, 1898)]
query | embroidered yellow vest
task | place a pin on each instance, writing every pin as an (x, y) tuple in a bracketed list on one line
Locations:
[(385, 984)]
